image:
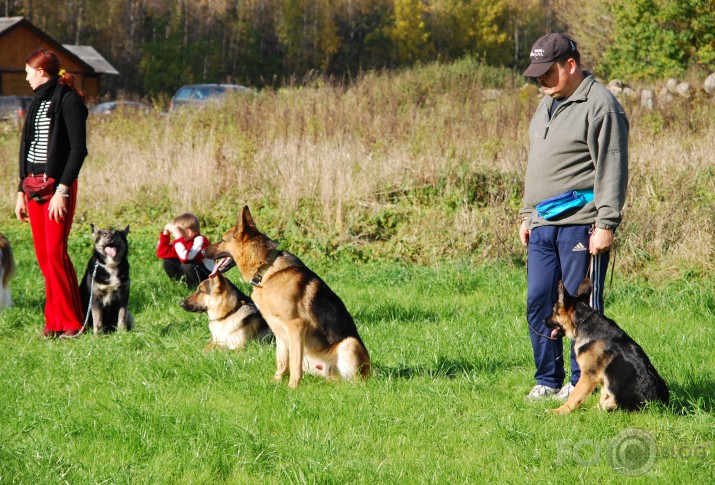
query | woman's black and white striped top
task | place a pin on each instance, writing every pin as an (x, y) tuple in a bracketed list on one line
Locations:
[(38, 146)]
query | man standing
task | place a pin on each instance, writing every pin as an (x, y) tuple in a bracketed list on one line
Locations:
[(575, 187)]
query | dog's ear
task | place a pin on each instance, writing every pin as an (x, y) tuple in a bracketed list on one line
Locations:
[(563, 294), (95, 230), (245, 221), (219, 280), (565, 298), (126, 230), (584, 289)]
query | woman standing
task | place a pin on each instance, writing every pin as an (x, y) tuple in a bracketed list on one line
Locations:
[(53, 146)]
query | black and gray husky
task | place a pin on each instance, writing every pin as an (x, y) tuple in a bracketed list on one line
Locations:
[(106, 282)]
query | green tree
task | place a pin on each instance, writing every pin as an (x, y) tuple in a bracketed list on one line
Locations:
[(526, 21), (410, 33), (472, 27), (485, 31), (655, 39), (253, 51), (308, 35), (362, 26), (590, 23), (700, 32), (157, 66)]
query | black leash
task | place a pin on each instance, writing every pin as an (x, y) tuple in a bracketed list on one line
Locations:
[(588, 272), (89, 306), (613, 270)]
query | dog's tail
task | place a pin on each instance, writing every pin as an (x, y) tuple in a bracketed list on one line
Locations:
[(352, 359), (7, 261)]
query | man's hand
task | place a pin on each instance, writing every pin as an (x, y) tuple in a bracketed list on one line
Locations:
[(601, 241), (524, 234)]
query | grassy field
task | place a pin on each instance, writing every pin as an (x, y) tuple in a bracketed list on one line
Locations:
[(447, 404), (401, 190)]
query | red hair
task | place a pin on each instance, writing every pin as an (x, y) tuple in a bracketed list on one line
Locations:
[(47, 61)]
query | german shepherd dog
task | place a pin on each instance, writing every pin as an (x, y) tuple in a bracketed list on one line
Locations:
[(106, 282), (606, 355), (7, 270), (233, 317), (313, 329)]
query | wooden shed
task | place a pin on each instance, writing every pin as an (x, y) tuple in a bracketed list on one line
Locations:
[(19, 38)]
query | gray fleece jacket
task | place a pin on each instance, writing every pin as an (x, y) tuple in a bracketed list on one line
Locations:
[(583, 146)]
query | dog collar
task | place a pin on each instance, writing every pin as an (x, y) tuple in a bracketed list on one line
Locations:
[(231, 312), (258, 277)]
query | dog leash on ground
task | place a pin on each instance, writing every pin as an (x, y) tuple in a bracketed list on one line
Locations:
[(89, 306)]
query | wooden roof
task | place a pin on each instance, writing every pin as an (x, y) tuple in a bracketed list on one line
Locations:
[(91, 60)]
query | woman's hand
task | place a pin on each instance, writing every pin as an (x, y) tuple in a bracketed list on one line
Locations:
[(57, 207), (21, 208)]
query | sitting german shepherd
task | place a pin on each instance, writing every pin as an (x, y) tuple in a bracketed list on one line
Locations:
[(311, 324), (106, 282), (233, 317), (606, 355)]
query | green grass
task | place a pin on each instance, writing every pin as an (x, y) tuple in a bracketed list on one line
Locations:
[(447, 404)]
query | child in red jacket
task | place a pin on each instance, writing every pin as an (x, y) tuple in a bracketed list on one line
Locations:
[(183, 257)]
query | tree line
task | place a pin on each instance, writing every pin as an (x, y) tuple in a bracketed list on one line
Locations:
[(158, 45)]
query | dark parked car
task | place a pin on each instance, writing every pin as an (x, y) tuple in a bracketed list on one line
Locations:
[(110, 107), (14, 108), (198, 94)]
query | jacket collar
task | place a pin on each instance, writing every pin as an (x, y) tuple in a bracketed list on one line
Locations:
[(45, 91), (581, 93)]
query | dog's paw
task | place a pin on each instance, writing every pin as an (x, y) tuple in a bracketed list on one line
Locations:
[(293, 383), (560, 410)]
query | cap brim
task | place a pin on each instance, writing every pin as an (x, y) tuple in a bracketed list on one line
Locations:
[(537, 70)]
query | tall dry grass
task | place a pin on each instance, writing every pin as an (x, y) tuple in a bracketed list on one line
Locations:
[(416, 165)]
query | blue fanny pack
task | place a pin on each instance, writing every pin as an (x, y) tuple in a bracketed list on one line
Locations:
[(550, 208)]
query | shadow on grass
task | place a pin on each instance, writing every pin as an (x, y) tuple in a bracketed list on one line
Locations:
[(389, 312), (696, 394), (444, 368)]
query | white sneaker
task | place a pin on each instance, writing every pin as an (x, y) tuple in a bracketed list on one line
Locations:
[(563, 394), (541, 392)]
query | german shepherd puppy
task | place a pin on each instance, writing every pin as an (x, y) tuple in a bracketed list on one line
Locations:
[(108, 287), (7, 270), (313, 328), (233, 317), (606, 355)]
